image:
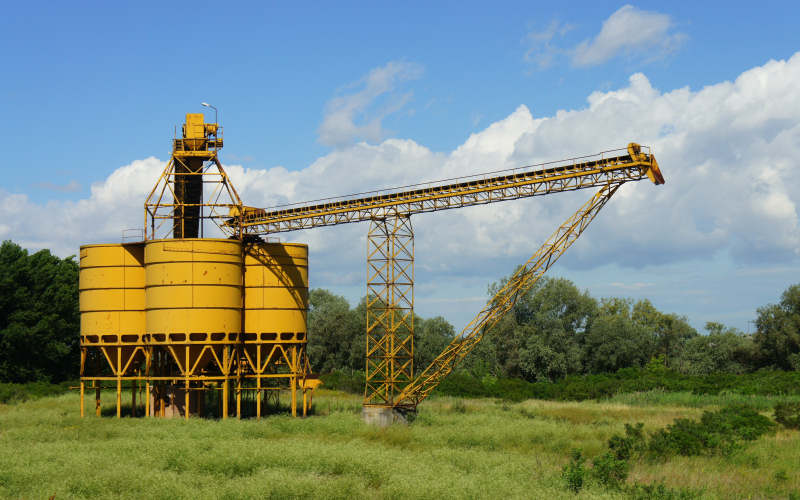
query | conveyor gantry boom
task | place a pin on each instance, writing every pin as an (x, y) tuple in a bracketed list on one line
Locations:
[(567, 175), (390, 253)]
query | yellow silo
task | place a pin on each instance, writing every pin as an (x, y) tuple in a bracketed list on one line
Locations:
[(275, 316), (194, 316), (112, 307), (111, 285), (276, 290), (193, 286), (181, 315)]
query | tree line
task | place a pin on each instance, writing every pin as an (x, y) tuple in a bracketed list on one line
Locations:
[(39, 318), (554, 331)]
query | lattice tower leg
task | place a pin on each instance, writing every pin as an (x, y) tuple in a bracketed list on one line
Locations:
[(390, 310)]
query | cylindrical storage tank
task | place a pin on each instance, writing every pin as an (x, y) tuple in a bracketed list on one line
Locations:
[(193, 286), (276, 292), (112, 297)]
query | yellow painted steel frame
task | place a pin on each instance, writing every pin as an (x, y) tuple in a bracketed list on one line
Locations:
[(268, 357), (390, 310), (502, 302), (193, 166), (123, 357), (536, 180), (389, 364), (161, 363), (158, 364), (174, 370), (175, 359)]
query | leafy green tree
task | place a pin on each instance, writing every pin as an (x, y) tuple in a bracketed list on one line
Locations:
[(777, 334), (39, 318), (549, 353), (358, 344), (671, 331), (615, 339), (337, 334), (724, 350), (541, 338), (431, 336), (333, 331)]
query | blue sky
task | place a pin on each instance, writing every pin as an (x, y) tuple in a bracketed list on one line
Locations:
[(91, 88)]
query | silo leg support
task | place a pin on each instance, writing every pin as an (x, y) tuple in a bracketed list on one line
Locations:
[(258, 397), (83, 390), (390, 310), (134, 386), (96, 398), (186, 400), (239, 398), (225, 398), (293, 381), (226, 381), (119, 397)]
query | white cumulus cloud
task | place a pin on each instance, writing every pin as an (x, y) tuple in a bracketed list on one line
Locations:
[(351, 117), (730, 153), (629, 32)]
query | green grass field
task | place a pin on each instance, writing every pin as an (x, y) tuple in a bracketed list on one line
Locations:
[(455, 449)]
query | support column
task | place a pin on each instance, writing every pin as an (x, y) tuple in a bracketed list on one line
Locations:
[(96, 398), (293, 381), (390, 309), (258, 397), (118, 371), (186, 400), (148, 360), (187, 373), (238, 398), (258, 372), (83, 384), (226, 367), (134, 387)]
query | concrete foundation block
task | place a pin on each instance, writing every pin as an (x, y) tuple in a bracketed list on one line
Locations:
[(384, 417)]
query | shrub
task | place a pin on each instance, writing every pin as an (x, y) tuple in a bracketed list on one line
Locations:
[(682, 437), (16, 393), (788, 415), (659, 492), (716, 432), (609, 470), (738, 421), (626, 447), (573, 472), (626, 380)]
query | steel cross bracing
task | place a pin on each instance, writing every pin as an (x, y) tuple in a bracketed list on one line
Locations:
[(502, 302), (389, 372), (390, 309), (576, 174)]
